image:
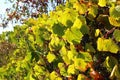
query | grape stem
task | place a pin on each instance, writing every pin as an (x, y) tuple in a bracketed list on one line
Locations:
[(109, 32)]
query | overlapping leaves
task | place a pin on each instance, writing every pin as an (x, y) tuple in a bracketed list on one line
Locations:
[(107, 45), (53, 47)]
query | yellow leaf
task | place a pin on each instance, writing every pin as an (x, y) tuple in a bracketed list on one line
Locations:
[(102, 3), (50, 57)]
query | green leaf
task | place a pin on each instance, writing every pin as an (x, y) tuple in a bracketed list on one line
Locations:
[(58, 29), (66, 59), (92, 11), (89, 48), (81, 8), (71, 69), (31, 78), (115, 11), (97, 32), (114, 18), (81, 77), (39, 70), (114, 21), (85, 56), (115, 73), (63, 51), (54, 76), (67, 15), (61, 65), (51, 57), (107, 45), (80, 24), (73, 35), (80, 20), (64, 54), (110, 62), (58, 78), (31, 38), (102, 3), (72, 52), (77, 23), (62, 69), (28, 56), (80, 64), (2, 70), (55, 43), (70, 55), (116, 35), (84, 29)]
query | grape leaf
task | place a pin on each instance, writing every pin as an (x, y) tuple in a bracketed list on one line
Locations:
[(66, 59), (93, 11), (70, 55), (51, 57), (80, 23), (67, 15), (84, 29), (116, 35), (77, 23), (63, 51), (114, 21), (39, 70), (110, 62), (97, 32), (58, 29), (31, 78), (73, 35), (56, 37), (64, 54), (81, 8), (115, 11), (80, 64), (28, 56), (114, 18), (89, 48), (107, 45), (54, 76), (71, 69), (80, 20), (72, 52), (58, 78), (55, 43), (117, 72), (102, 3), (62, 69), (31, 38), (81, 77), (86, 56)]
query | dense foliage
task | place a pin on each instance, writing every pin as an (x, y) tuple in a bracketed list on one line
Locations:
[(77, 41)]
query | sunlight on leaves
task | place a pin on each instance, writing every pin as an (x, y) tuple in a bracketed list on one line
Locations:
[(51, 57), (107, 45), (102, 3)]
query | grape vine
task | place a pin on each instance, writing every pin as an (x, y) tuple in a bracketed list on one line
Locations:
[(73, 42)]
